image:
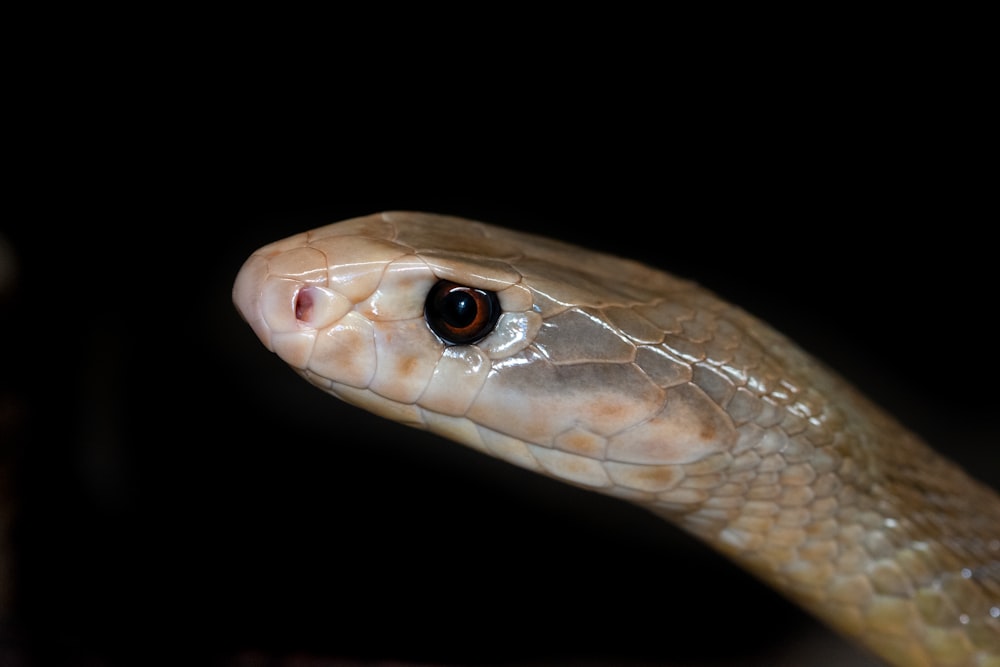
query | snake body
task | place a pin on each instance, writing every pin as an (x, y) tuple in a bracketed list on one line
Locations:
[(613, 376)]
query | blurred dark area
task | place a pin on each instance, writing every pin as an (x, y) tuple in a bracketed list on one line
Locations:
[(172, 493)]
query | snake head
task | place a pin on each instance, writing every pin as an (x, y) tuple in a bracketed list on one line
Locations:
[(569, 378)]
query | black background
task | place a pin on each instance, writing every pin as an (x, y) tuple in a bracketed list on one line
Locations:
[(176, 492)]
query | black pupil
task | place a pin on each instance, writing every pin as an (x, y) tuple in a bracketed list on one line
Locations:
[(459, 309)]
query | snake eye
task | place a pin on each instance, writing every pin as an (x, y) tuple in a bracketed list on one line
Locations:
[(460, 314)]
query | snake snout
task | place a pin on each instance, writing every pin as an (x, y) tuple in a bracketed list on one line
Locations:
[(287, 308), (247, 296)]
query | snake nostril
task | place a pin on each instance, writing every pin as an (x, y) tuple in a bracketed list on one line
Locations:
[(303, 305)]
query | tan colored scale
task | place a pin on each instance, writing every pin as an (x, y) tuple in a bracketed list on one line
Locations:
[(619, 378)]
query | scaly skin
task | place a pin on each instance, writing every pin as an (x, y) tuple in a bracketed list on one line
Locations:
[(625, 380)]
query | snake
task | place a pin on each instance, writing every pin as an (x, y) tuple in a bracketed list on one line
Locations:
[(623, 379)]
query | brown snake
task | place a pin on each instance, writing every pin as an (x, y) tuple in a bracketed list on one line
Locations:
[(622, 379)]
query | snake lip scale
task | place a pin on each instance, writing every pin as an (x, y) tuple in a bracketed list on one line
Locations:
[(616, 377)]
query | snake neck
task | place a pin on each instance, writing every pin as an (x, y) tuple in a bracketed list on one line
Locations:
[(867, 534)]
